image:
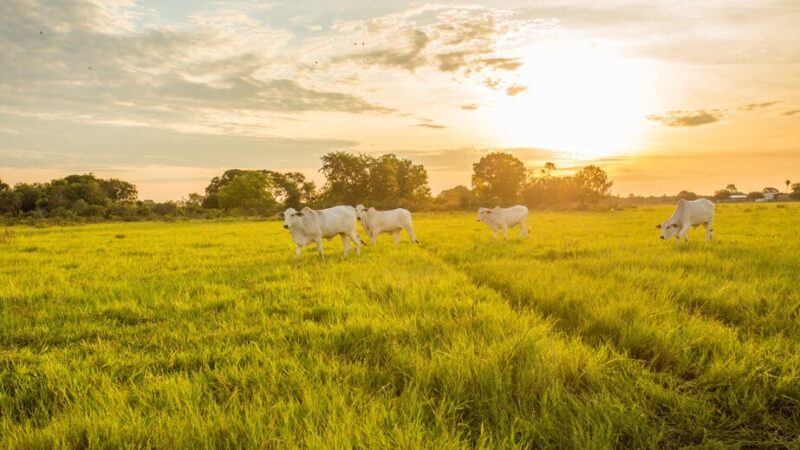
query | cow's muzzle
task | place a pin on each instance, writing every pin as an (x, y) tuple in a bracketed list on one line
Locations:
[(662, 238), (287, 227)]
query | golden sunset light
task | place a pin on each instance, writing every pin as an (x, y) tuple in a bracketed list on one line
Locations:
[(130, 87), (393, 224)]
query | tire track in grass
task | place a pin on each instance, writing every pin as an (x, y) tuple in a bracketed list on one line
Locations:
[(655, 347), (666, 380)]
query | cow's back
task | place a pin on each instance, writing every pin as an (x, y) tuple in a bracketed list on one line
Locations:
[(336, 220)]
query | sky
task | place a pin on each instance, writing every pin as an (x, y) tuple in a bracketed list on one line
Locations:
[(663, 95)]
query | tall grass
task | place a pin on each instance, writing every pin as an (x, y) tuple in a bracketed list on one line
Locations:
[(592, 333)]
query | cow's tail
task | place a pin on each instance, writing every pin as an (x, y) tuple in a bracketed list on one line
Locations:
[(361, 240)]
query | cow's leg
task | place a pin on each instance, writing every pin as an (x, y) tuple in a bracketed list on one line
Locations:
[(523, 229), (505, 232), (297, 251), (356, 240), (396, 234), (709, 230), (346, 244), (319, 247), (411, 236), (684, 233), (494, 233), (373, 238)]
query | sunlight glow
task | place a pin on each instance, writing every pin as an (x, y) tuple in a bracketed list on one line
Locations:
[(581, 99)]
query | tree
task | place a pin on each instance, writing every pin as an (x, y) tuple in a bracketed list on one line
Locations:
[(755, 195), (119, 191), (9, 200), (292, 188), (385, 181), (686, 195), (788, 182), (731, 188), (722, 194), (770, 190), (593, 184), (459, 197), (347, 178), (249, 192), (498, 177), (29, 195)]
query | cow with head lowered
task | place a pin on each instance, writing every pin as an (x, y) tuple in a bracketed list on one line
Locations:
[(309, 226), (689, 214), (499, 218)]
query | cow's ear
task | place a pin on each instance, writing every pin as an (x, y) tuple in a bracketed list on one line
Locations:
[(658, 226), (281, 215), (488, 211), (298, 214)]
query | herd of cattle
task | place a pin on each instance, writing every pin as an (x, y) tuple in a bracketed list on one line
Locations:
[(309, 226)]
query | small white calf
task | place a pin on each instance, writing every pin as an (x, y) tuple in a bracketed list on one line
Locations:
[(504, 218), (690, 213), (376, 222), (310, 226)]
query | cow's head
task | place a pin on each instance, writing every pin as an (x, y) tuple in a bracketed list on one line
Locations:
[(668, 229), (483, 214), (360, 211), (290, 217)]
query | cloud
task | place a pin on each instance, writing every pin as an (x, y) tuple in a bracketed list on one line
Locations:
[(755, 106), (687, 118), (792, 112), (492, 83), (677, 119), (463, 39), (515, 89), (94, 62), (469, 106), (431, 126), (104, 147)]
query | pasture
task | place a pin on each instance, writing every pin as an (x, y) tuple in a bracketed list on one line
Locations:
[(592, 333)]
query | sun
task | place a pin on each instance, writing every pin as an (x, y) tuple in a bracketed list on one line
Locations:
[(581, 99)]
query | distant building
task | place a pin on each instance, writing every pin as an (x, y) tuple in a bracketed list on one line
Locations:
[(737, 198)]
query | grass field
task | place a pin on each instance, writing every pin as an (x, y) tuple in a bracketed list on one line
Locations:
[(592, 333)]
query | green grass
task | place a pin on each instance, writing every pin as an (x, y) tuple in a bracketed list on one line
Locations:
[(592, 333)]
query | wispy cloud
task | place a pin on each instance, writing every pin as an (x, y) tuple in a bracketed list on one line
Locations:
[(469, 106), (678, 118), (431, 126), (515, 89), (687, 118)]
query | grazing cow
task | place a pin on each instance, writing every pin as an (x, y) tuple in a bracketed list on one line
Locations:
[(690, 213), (504, 218), (310, 226), (376, 222)]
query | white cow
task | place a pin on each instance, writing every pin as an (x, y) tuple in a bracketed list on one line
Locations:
[(376, 222), (309, 226), (504, 218), (690, 213)]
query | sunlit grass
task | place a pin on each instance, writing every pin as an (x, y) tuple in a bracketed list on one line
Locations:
[(591, 333)]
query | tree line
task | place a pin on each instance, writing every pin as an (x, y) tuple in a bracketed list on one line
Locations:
[(383, 181)]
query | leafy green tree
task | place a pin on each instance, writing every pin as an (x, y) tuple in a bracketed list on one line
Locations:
[(686, 195), (731, 188), (119, 191), (593, 184), (29, 195), (755, 195), (347, 178), (249, 192), (9, 200), (498, 177), (456, 198)]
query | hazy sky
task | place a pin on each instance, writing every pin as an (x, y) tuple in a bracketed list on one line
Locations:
[(663, 95)]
